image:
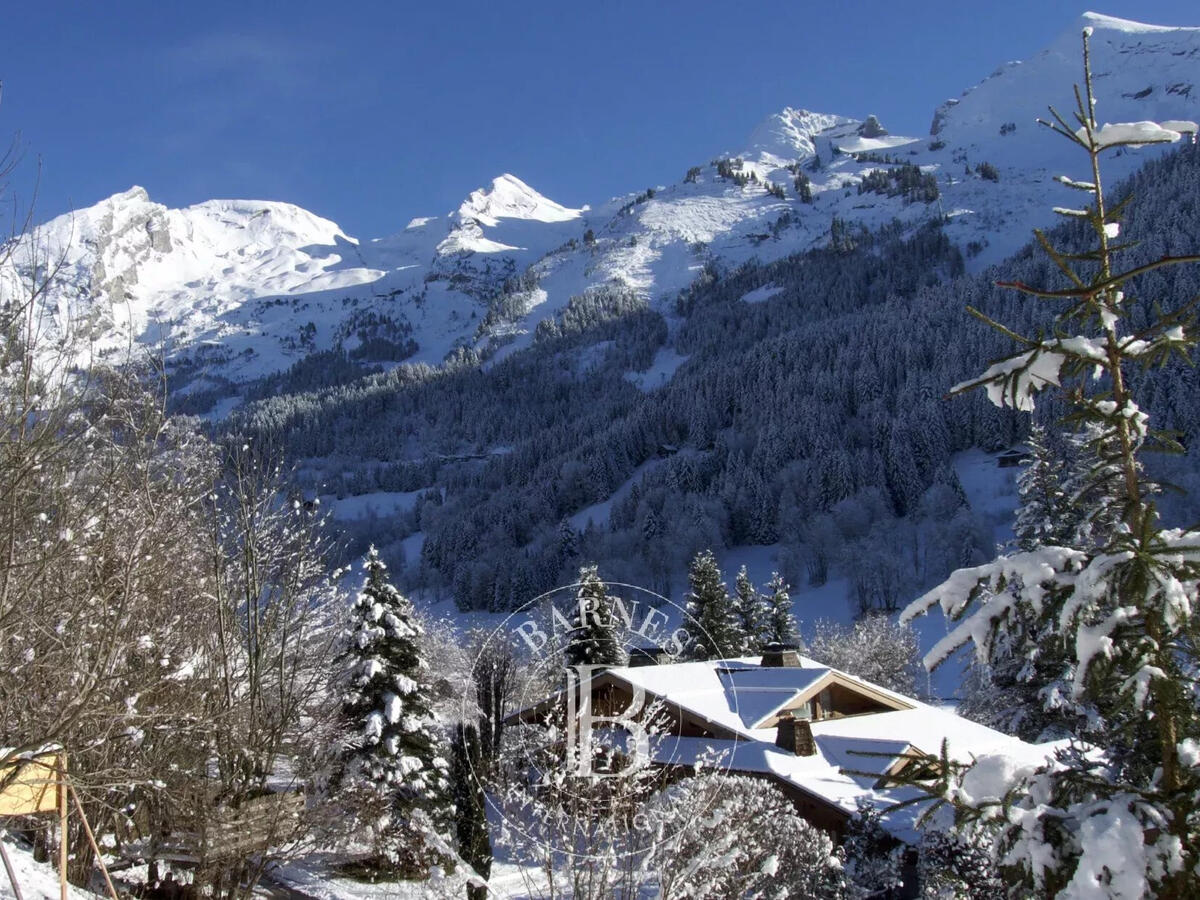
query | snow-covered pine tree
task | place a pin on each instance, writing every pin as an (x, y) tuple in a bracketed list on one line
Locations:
[(1045, 514), (781, 623), (1003, 692), (712, 626), (394, 744), (1095, 483), (1116, 818), (1070, 497), (595, 635), (750, 612)]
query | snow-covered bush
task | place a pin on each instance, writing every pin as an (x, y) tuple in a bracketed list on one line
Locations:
[(958, 866), (873, 857), (733, 836), (578, 830), (875, 649)]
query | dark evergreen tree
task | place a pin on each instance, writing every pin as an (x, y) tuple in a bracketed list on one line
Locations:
[(470, 806), (781, 623), (750, 612), (568, 542), (712, 625), (803, 186), (595, 636), (393, 746)]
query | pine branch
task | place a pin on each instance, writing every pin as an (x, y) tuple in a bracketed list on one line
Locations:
[(1101, 286)]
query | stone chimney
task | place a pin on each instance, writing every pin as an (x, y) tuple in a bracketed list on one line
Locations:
[(776, 656), (795, 736)]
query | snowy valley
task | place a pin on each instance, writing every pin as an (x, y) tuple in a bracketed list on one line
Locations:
[(299, 612)]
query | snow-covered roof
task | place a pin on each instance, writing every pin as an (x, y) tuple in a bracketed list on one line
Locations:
[(852, 752), (741, 694), (735, 694)]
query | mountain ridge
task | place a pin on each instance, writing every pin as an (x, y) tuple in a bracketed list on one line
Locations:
[(239, 289)]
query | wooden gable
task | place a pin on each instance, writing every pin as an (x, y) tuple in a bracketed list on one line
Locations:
[(835, 695)]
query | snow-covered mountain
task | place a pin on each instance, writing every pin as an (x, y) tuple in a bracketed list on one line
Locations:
[(231, 290)]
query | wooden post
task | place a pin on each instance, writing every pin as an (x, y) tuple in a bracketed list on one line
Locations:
[(87, 829), (62, 826)]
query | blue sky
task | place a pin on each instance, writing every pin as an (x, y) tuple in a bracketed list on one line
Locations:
[(371, 113)]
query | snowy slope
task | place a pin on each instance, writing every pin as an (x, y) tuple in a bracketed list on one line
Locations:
[(237, 289), (1139, 72), (657, 244), (248, 287)]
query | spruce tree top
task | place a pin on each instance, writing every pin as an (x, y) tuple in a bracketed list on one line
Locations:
[(595, 636), (711, 615)]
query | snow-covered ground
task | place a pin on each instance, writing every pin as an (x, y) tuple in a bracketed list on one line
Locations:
[(315, 880), (662, 369), (35, 880), (991, 491), (377, 503), (762, 294)]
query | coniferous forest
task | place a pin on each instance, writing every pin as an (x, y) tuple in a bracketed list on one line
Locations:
[(817, 420)]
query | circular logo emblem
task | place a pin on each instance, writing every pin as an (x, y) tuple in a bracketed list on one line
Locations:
[(583, 693)]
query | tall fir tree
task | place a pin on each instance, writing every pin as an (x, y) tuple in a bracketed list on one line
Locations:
[(781, 623), (1024, 686), (394, 745), (1115, 817), (470, 805), (595, 635), (714, 628), (750, 612)]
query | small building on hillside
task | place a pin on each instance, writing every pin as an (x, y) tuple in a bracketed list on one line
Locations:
[(825, 738), (1010, 459)]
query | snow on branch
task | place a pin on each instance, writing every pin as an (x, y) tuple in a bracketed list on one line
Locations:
[(1036, 572), (1014, 381), (1088, 186), (1133, 134)]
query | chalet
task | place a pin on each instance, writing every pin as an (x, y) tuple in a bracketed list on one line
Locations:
[(1010, 459), (825, 738)]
